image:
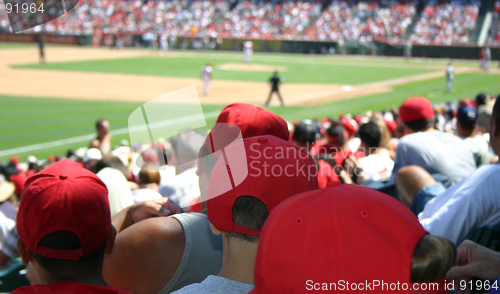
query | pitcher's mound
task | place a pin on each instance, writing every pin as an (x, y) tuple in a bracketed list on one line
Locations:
[(250, 67)]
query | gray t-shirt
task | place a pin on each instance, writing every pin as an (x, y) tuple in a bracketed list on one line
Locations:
[(217, 285), (436, 152)]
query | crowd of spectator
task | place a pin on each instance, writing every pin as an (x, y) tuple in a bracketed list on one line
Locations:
[(266, 20), (496, 18), (363, 21), (360, 21), (446, 24), (177, 17), (435, 168)]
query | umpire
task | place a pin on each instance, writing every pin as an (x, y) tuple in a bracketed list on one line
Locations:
[(275, 82)]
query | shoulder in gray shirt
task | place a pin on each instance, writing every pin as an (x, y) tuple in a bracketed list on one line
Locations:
[(216, 285), (436, 152)]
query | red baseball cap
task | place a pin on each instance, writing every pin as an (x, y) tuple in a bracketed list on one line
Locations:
[(240, 120), (416, 108), (64, 197), (350, 126), (345, 232), (14, 159), (254, 120), (272, 171)]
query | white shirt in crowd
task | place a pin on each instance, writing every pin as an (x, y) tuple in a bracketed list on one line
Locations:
[(472, 202), (119, 193), (6, 224), (477, 144), (378, 166), (182, 188)]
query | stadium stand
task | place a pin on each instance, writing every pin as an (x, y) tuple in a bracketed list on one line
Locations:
[(363, 21), (496, 18), (266, 21), (446, 24), (437, 22)]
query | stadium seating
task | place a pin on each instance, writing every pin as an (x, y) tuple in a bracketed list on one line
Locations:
[(496, 16), (446, 24), (347, 20), (364, 22)]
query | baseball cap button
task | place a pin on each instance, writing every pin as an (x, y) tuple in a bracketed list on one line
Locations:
[(262, 140)]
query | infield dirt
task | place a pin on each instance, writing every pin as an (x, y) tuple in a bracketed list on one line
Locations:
[(126, 87)]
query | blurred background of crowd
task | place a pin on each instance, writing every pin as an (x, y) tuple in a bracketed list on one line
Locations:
[(439, 23)]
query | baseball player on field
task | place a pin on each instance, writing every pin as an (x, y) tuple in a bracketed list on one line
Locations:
[(206, 76), (248, 51)]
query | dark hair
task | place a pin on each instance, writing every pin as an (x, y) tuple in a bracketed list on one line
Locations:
[(65, 240), (370, 134), (306, 132), (251, 213), (101, 164), (99, 122), (148, 176), (432, 259), (420, 125), (482, 98), (467, 125), (336, 130)]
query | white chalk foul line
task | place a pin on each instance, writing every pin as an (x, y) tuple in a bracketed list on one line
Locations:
[(88, 137)]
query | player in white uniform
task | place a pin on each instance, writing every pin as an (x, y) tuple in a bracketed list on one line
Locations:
[(487, 57), (450, 75), (164, 43), (206, 76), (248, 51)]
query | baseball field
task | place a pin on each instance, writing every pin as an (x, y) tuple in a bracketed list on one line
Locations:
[(47, 109)]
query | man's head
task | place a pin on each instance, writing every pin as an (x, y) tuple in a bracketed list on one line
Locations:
[(370, 136), (495, 128), (482, 98), (336, 134), (417, 114), (466, 120), (64, 221), (243, 190), (306, 133), (236, 121), (102, 127), (348, 233)]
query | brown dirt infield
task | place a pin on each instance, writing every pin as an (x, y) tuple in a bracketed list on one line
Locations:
[(125, 87)]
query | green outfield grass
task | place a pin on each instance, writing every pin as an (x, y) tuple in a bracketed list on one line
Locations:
[(300, 69), (28, 121)]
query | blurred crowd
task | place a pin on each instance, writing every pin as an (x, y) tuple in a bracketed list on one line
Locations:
[(447, 23), (360, 21), (266, 20), (363, 21), (496, 17)]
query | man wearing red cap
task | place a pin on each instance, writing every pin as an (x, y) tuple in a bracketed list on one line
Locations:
[(348, 238), (64, 228), (337, 145), (271, 173), (453, 212), (434, 151), (161, 255)]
